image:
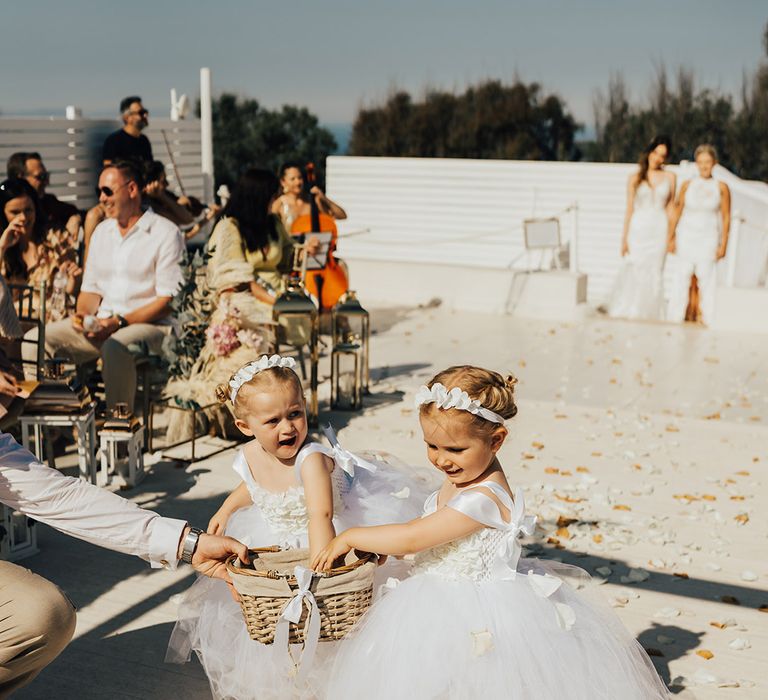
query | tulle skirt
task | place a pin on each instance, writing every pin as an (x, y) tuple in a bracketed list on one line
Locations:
[(211, 623), (435, 638)]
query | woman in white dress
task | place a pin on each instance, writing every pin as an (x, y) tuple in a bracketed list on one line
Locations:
[(698, 236), (638, 292)]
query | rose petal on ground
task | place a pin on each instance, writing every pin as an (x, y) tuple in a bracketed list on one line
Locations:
[(739, 644), (748, 575), (705, 654)]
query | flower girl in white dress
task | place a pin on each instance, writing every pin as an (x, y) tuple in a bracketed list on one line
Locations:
[(474, 620), (292, 494)]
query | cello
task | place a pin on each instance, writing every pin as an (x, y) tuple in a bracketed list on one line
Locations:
[(330, 283)]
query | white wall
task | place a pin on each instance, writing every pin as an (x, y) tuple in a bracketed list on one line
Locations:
[(469, 213)]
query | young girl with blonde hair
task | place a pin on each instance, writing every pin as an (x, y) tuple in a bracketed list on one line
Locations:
[(292, 493), (474, 619)]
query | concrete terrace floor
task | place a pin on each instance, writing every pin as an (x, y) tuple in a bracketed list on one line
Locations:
[(641, 447)]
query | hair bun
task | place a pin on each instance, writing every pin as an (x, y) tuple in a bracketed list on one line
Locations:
[(222, 393), (510, 380)]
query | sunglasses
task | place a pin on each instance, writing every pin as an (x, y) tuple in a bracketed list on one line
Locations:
[(108, 191), (141, 113), (41, 177)]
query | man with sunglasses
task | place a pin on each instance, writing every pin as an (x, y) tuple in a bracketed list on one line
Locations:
[(131, 274), (59, 215), (129, 143)]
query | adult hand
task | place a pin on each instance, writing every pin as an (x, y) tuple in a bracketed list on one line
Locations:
[(77, 322), (12, 233), (720, 253), (212, 553), (71, 269), (312, 245), (106, 327), (154, 188), (624, 248), (316, 191), (672, 246), (8, 384), (337, 547)]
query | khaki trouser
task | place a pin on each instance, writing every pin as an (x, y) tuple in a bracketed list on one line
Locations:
[(118, 353), (36, 623)]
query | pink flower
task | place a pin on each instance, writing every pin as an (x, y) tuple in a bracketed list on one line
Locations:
[(223, 337)]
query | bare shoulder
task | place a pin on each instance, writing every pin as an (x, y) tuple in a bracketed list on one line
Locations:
[(724, 189), (317, 462)]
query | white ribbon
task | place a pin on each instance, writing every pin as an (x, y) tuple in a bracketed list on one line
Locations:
[(455, 398), (509, 551), (249, 371), (346, 460), (292, 613)]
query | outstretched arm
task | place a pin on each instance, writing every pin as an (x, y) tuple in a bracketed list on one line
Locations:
[(239, 498), (318, 491), (443, 526)]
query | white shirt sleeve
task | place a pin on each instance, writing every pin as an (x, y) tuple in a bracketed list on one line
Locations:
[(90, 281), (168, 266), (83, 510)]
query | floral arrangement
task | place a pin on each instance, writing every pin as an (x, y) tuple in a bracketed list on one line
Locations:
[(228, 335)]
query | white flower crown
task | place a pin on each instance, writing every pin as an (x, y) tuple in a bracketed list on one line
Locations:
[(455, 398), (249, 371)]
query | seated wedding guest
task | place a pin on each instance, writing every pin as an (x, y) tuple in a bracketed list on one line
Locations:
[(130, 277), (38, 619), (249, 249), (188, 213), (126, 144), (11, 401), (62, 217), (29, 255), (294, 202)]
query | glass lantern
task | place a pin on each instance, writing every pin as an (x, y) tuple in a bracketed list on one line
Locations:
[(350, 331), (298, 325)]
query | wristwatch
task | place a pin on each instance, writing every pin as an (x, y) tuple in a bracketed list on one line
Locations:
[(122, 321), (189, 545)]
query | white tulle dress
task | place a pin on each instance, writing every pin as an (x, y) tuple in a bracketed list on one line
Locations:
[(366, 492), (639, 289), (474, 620)]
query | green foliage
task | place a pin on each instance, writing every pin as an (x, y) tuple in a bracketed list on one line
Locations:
[(246, 135), (191, 309), (690, 116), (489, 120)]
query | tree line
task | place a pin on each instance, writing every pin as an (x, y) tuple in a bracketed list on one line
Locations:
[(510, 121)]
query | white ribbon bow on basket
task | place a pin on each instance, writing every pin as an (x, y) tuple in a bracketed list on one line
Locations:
[(346, 460), (292, 613)]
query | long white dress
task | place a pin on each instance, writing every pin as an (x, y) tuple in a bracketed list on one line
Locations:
[(697, 240), (474, 620), (639, 289), (211, 623)]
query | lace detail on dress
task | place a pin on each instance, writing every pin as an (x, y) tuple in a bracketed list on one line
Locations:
[(285, 513), (469, 557)]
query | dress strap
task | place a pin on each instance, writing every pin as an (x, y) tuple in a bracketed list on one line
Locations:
[(344, 459), (482, 508)]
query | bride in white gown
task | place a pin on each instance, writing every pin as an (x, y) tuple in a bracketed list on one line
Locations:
[(638, 292)]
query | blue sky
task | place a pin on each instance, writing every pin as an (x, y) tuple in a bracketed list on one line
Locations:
[(334, 55)]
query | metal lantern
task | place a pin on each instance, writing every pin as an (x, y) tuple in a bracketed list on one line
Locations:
[(299, 324), (350, 331)]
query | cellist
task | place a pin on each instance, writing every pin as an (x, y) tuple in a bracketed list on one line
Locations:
[(295, 202)]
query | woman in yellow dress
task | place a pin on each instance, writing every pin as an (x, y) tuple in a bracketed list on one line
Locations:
[(249, 251)]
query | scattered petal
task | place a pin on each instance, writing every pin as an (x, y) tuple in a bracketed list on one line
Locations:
[(667, 613), (705, 654), (739, 644), (482, 643), (403, 493), (748, 575)]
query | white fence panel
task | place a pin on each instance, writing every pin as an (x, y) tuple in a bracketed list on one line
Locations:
[(470, 212), (71, 150)]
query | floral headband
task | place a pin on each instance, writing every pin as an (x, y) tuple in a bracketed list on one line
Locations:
[(249, 371), (455, 398)]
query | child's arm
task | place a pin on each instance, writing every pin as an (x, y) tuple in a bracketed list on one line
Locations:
[(239, 498), (318, 493), (443, 526)]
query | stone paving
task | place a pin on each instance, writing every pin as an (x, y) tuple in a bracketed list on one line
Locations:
[(641, 447)]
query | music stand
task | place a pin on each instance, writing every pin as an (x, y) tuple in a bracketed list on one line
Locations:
[(318, 261)]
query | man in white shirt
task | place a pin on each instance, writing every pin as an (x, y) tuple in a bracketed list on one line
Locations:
[(131, 274), (37, 619)]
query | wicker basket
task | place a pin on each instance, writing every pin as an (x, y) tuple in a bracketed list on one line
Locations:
[(266, 587)]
